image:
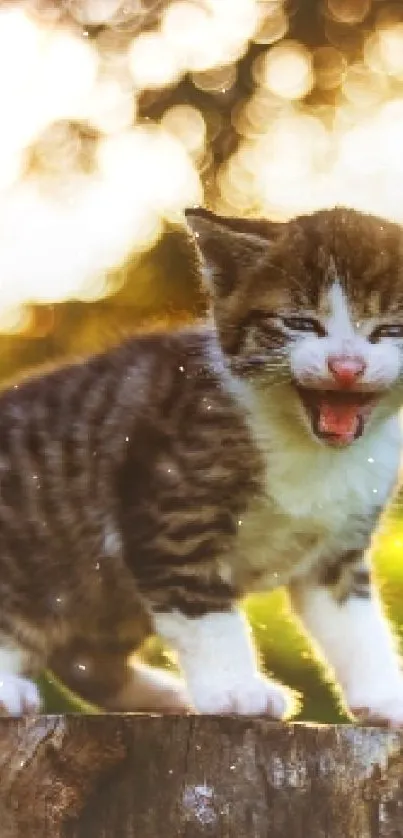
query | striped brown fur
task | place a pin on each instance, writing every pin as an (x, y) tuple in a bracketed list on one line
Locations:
[(121, 479)]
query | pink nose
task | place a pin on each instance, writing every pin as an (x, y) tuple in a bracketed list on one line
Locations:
[(346, 369)]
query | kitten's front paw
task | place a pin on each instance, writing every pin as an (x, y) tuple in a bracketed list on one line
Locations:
[(256, 697), (18, 696), (380, 709)]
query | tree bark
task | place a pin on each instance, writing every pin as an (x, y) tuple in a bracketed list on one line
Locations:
[(133, 776)]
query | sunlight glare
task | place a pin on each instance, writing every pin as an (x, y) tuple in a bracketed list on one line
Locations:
[(86, 180)]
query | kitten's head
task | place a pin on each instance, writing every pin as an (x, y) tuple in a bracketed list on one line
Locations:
[(316, 305)]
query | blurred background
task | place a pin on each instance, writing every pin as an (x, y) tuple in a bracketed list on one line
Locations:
[(116, 114)]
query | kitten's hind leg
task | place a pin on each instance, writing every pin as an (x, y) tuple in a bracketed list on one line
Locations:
[(148, 689), (18, 695), (110, 679)]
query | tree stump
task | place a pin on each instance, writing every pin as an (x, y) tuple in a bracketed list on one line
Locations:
[(137, 776)]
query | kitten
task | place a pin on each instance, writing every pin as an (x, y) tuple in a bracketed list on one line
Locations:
[(149, 488)]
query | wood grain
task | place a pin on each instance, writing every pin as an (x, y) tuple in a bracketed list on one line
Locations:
[(134, 776)]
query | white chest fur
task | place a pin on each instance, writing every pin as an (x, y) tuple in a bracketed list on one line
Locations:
[(318, 501)]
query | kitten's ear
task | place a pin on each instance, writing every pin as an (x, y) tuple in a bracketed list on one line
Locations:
[(229, 246)]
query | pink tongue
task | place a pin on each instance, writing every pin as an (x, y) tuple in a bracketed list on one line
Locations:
[(340, 420)]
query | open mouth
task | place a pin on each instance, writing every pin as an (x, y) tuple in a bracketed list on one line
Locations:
[(337, 417)]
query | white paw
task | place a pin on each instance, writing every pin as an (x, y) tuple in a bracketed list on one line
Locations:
[(258, 696), (379, 707), (18, 696)]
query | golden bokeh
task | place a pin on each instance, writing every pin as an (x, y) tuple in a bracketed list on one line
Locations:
[(273, 23), (348, 11), (329, 67), (186, 123), (88, 175), (286, 70)]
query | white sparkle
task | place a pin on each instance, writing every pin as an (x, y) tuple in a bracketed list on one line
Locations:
[(126, 438), (182, 369), (97, 566), (375, 491), (371, 460), (240, 522), (81, 666)]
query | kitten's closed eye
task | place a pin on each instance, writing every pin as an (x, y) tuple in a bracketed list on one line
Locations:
[(387, 330), (271, 319), (304, 324)]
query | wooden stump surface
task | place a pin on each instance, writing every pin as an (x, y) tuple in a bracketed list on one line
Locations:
[(135, 776)]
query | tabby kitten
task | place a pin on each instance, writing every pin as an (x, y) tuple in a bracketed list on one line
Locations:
[(149, 488)]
